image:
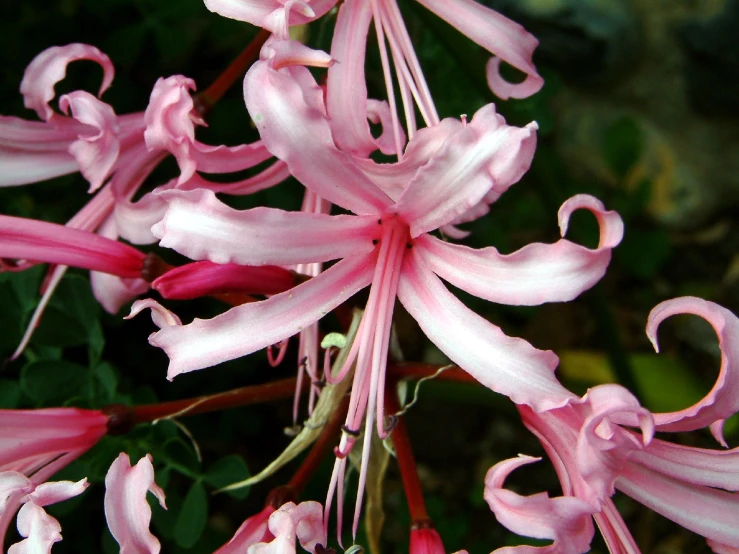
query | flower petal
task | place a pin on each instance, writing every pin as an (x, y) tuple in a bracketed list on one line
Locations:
[(722, 400), (200, 226), (297, 132), (706, 511), (250, 327), (41, 530), (95, 153), (535, 274), (462, 171), (252, 531), (566, 520), (28, 239), (260, 12), (700, 466), (505, 39), (50, 67), (23, 167), (126, 509), (509, 366), (46, 494), (203, 278)]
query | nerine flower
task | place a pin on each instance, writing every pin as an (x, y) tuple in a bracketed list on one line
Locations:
[(34, 445), (387, 244), (594, 453)]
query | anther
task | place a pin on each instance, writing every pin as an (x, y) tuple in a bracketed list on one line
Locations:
[(392, 421), (351, 432)]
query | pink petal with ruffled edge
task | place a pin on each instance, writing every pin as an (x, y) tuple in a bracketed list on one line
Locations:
[(709, 512), (12, 482), (536, 273), (170, 126), (722, 400), (28, 239), (200, 226), (250, 327), (126, 509), (295, 130), (95, 153), (50, 67), (461, 172), (41, 530), (261, 12), (252, 531), (203, 278), (566, 520), (303, 521), (509, 366), (505, 39)]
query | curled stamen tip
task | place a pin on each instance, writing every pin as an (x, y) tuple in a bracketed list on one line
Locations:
[(354, 549), (293, 431)]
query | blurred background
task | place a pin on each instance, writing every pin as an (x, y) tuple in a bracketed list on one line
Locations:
[(640, 109)]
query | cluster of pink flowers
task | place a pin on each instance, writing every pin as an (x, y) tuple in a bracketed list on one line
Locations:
[(446, 172)]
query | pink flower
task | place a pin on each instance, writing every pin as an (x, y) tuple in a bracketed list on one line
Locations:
[(40, 530), (303, 522), (447, 169), (594, 454), (126, 509), (34, 445)]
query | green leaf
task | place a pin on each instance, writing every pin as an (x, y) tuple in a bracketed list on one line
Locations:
[(644, 253), (53, 381), (227, 471), (105, 380), (191, 521), (179, 453), (10, 394)]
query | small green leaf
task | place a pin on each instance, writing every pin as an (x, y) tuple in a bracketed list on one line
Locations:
[(106, 382), (47, 381), (227, 471), (180, 453), (10, 394), (191, 521)]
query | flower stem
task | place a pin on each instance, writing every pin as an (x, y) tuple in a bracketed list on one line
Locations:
[(256, 394), (406, 461), (205, 100)]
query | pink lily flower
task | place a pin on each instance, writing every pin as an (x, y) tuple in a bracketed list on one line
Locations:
[(303, 522), (595, 454), (34, 445), (126, 510), (388, 244), (39, 529)]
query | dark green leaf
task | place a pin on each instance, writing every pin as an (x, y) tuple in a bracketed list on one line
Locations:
[(10, 394), (51, 381), (191, 521), (226, 471)]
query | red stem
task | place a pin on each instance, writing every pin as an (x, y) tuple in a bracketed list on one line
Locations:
[(406, 461), (235, 71), (257, 394)]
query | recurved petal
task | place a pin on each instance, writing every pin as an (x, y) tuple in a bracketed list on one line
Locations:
[(295, 130), (462, 171), (250, 327), (252, 531), (126, 509), (40, 529), (535, 274), (505, 39), (722, 400), (709, 512), (566, 520), (57, 491), (509, 366), (260, 12), (50, 67), (200, 226), (95, 153)]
